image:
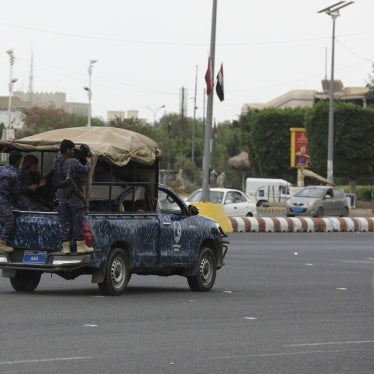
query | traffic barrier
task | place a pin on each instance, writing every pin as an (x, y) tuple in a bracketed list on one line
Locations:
[(304, 224), (217, 212)]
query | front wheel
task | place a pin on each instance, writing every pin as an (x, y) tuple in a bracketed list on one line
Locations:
[(116, 273), (206, 272), (25, 280)]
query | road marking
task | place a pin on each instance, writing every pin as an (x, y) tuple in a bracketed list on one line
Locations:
[(250, 318), (309, 264), (341, 289), (227, 291), (357, 261), (275, 354), (331, 343), (44, 360), (89, 325)]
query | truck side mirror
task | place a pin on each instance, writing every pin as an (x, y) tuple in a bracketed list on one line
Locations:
[(193, 210)]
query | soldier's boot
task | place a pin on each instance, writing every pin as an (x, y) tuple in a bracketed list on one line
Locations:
[(82, 247), (66, 248), (4, 247)]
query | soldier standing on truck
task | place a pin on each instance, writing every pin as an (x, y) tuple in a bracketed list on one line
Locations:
[(9, 190), (71, 208)]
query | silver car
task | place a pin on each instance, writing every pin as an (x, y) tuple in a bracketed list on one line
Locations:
[(318, 201)]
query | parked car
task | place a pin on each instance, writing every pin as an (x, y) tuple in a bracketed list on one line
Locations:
[(318, 201), (235, 202)]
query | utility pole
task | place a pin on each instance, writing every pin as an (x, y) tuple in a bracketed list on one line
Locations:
[(180, 131), (209, 116), (11, 83), (194, 119), (89, 91)]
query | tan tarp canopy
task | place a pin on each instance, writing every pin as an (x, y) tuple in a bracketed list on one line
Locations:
[(117, 146)]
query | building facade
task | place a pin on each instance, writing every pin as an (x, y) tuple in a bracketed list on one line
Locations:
[(307, 98)]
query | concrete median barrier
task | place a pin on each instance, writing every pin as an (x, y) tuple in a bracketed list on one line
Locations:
[(217, 212), (304, 224)]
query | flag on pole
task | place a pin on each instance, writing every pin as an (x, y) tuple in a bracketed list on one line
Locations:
[(219, 85), (208, 78)]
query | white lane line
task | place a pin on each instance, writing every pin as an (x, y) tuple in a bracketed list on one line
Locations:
[(341, 289), (227, 291), (276, 354), (250, 318), (357, 261), (309, 264), (89, 325), (44, 360), (331, 343)]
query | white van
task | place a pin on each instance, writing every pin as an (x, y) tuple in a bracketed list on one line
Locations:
[(265, 190)]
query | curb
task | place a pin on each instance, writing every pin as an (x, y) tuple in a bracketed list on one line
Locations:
[(292, 224)]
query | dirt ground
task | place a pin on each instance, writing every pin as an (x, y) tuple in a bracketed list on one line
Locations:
[(364, 204)]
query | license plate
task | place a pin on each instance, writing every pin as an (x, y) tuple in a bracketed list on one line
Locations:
[(297, 210), (35, 257)]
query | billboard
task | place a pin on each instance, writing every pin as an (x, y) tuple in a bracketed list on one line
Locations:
[(299, 148)]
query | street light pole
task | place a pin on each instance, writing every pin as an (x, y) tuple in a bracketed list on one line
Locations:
[(11, 83), (89, 91), (333, 12), (154, 112)]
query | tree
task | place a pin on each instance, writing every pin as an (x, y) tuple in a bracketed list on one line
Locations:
[(370, 93), (353, 140), (40, 119), (269, 146)]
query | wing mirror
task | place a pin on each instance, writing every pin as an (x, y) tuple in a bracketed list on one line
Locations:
[(193, 210)]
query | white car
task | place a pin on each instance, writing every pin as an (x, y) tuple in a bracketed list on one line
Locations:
[(235, 202)]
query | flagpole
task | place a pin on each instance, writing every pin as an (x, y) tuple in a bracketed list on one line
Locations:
[(209, 116)]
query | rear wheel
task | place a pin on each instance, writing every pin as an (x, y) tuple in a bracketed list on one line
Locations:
[(25, 280), (116, 274), (345, 212), (206, 272), (320, 212)]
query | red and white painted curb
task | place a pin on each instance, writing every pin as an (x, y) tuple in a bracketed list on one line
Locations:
[(305, 224)]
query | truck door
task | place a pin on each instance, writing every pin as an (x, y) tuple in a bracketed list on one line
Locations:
[(175, 231)]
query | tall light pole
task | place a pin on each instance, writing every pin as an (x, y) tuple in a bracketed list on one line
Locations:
[(89, 91), (11, 83), (154, 112), (333, 12)]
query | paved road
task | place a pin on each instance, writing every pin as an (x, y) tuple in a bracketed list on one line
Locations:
[(285, 303)]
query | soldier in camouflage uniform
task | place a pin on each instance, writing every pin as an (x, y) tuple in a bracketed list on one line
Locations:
[(71, 208), (9, 190)]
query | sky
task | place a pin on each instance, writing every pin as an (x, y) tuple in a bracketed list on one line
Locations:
[(146, 50)]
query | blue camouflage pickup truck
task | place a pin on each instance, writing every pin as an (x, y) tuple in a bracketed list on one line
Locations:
[(134, 224)]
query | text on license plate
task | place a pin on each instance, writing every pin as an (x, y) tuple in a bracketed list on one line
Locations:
[(35, 257), (297, 210)]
